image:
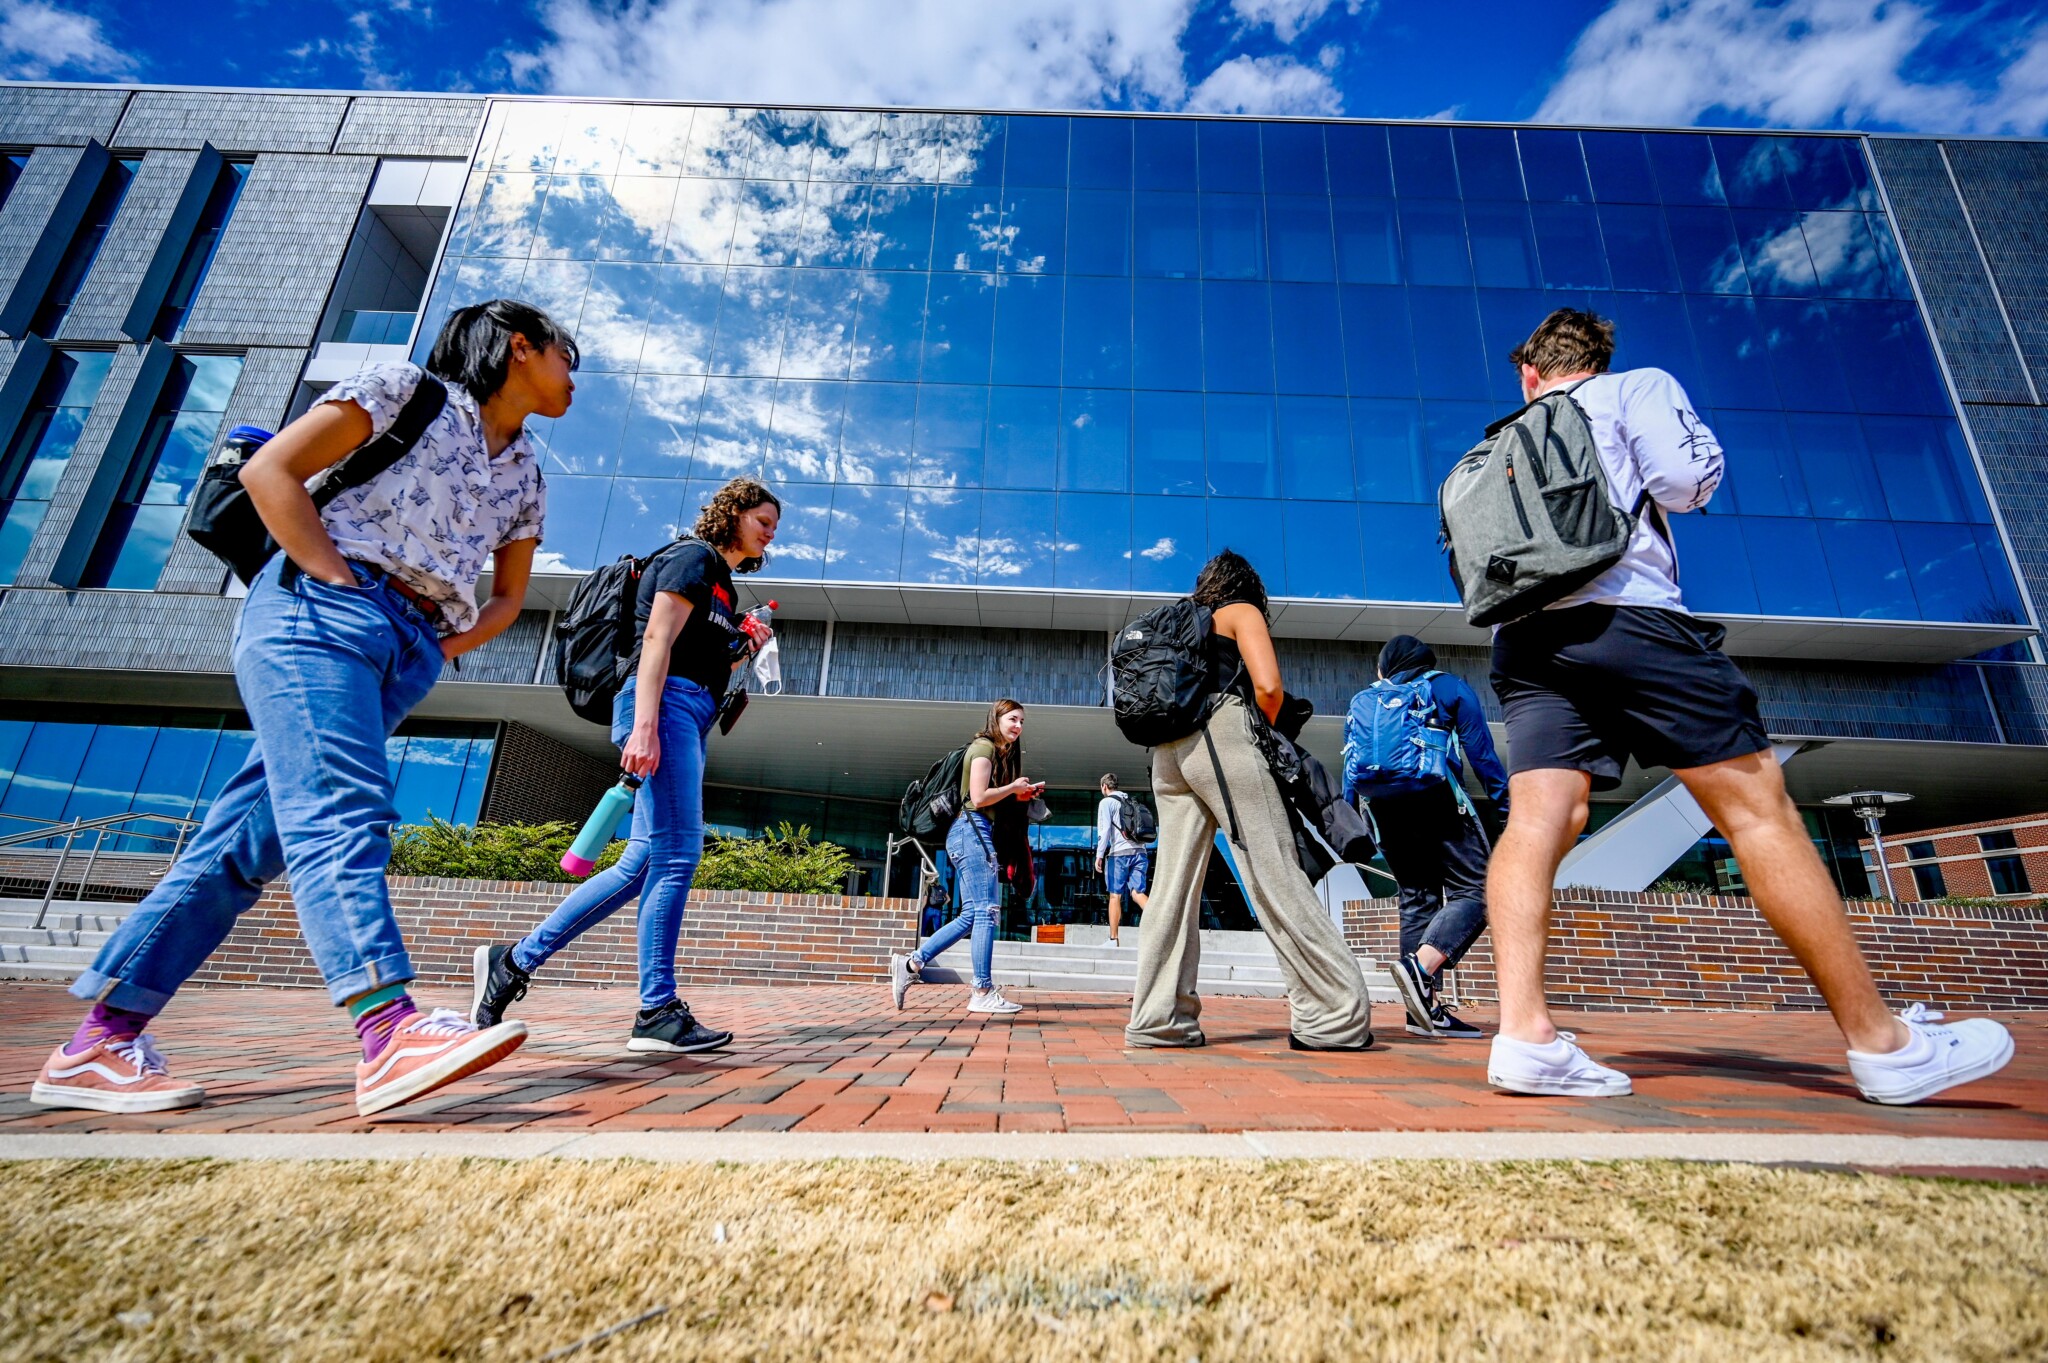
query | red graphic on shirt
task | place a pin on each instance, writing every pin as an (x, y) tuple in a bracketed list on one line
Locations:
[(719, 595)]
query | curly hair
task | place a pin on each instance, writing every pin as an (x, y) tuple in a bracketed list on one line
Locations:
[(718, 520), (1228, 578)]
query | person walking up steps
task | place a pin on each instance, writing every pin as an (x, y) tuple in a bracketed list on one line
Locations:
[(342, 633), (1618, 669), (988, 777), (688, 642), (1218, 776), (1432, 838), (1119, 857)]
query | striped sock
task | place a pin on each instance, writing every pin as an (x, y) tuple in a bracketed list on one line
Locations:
[(380, 1024)]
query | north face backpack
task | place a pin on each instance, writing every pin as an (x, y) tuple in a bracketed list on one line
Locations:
[(1159, 675), (1139, 823), (1527, 514), (1393, 741), (931, 803), (594, 637)]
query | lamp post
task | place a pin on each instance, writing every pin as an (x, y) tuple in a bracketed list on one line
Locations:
[(1869, 806)]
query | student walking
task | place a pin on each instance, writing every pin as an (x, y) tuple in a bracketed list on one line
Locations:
[(1619, 669), (1433, 840), (1215, 777), (687, 642), (1119, 857), (988, 778), (342, 633)]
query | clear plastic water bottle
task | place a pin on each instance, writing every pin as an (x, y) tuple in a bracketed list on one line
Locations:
[(767, 656), (581, 858)]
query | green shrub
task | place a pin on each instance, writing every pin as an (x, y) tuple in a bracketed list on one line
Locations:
[(1680, 885), (487, 851), (786, 861), (1965, 901)]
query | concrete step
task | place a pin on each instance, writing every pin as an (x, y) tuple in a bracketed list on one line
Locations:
[(34, 970), (50, 937), (73, 958)]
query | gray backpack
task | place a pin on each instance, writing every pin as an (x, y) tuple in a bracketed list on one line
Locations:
[(1527, 514)]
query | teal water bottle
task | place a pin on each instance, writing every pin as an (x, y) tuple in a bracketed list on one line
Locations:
[(581, 858)]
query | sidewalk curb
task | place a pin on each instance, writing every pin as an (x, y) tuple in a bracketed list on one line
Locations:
[(1840, 1151)]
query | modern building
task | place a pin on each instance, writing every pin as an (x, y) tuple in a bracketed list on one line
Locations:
[(1015, 377)]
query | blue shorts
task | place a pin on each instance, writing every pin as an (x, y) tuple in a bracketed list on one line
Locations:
[(1126, 873)]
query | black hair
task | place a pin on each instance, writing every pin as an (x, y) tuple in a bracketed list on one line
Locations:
[(474, 348), (1405, 653), (1227, 578)]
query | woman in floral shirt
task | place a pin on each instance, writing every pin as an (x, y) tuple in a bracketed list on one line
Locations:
[(341, 635)]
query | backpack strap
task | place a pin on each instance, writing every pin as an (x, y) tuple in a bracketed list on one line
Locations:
[(380, 454), (1216, 765)]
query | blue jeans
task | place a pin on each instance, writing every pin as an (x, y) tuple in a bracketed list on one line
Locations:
[(971, 847), (326, 673), (661, 855)]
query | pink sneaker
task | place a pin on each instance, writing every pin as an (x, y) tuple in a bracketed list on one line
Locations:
[(116, 1075), (428, 1051)]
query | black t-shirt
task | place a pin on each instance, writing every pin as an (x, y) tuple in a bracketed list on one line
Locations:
[(711, 637)]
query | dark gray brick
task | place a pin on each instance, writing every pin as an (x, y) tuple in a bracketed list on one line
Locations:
[(130, 246), (44, 116), (383, 126), (279, 255), (231, 121)]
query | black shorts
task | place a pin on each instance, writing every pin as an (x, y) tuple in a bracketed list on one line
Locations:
[(1588, 687)]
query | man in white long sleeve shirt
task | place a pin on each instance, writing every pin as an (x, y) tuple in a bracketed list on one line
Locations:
[(1119, 860), (1619, 669)]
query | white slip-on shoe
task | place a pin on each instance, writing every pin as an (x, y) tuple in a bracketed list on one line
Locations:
[(901, 977), (992, 1001), (1560, 1068), (1937, 1058)]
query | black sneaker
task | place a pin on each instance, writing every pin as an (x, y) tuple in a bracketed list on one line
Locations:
[(1295, 1043), (1418, 994), (499, 985), (672, 1030), (1446, 1023)]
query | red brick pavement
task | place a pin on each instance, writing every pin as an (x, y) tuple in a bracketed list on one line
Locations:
[(838, 1058)]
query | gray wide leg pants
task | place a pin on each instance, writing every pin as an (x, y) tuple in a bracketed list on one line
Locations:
[(1325, 991)]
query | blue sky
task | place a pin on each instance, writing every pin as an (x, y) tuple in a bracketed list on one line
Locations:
[(1880, 64)]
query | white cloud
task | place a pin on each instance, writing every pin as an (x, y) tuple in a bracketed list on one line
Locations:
[(1266, 85), (1800, 63), (1289, 17), (39, 40)]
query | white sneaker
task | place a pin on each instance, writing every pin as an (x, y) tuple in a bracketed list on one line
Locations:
[(1559, 1068), (1936, 1058), (992, 1001), (901, 977)]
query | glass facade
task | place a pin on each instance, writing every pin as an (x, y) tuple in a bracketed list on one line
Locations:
[(62, 767), (1082, 353), (213, 221), (41, 449), (149, 508)]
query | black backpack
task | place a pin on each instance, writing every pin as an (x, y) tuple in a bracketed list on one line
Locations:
[(1140, 824), (932, 802), (595, 636), (1160, 683)]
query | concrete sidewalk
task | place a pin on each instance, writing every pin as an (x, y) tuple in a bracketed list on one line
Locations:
[(838, 1059)]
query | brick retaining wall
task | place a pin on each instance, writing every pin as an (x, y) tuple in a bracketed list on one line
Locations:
[(1650, 951), (727, 938)]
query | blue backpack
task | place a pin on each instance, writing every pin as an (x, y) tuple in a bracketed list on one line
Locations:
[(1393, 742)]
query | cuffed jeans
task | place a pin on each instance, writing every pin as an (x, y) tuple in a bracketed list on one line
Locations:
[(1438, 853), (971, 847), (326, 674), (662, 853)]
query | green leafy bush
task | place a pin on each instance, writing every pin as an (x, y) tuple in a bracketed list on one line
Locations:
[(487, 851), (786, 861), (1680, 885)]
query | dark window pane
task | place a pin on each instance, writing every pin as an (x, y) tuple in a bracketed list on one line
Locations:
[(865, 542), (952, 435), (1734, 358), (1099, 232), (1774, 249), (1240, 444), (1927, 882), (1763, 477), (1233, 237), (1750, 171), (1093, 546), (1803, 356), (1450, 359), (1868, 570), (1308, 343), (2004, 589), (900, 220), (889, 335), (1925, 468), (1386, 452), (1638, 251), (1685, 168), (1554, 166), (1023, 437), (1167, 334), (1423, 166), (1315, 450), (879, 429), (1403, 562), (1709, 261), (1379, 343), (1299, 235), (1165, 154), (1169, 541), (1358, 161), (1947, 575), (1037, 152), (1167, 449), (1293, 154), (1368, 241), (1487, 165), (1237, 337), (1786, 563), (1098, 333), (1323, 552), (2000, 840), (1026, 346), (1503, 251), (1817, 174), (959, 327), (1715, 564), (1568, 240), (1102, 154), (1893, 369), (2008, 875), (1095, 440), (1620, 168), (1836, 462), (968, 233), (1229, 157), (1433, 241), (1167, 240)]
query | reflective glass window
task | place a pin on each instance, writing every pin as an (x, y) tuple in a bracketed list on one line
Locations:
[(1568, 242), (1925, 469), (821, 308), (1406, 564), (1503, 249), (1034, 231), (941, 536), (1237, 336), (783, 143), (1018, 548), (1846, 259), (1293, 157), (1368, 241), (1099, 232), (910, 149), (900, 223), (1169, 542), (1240, 444), (1324, 556), (1709, 258), (1228, 156), (1167, 236), (1023, 437), (1487, 165), (1314, 442), (586, 439), (1450, 358), (1386, 451), (1167, 334), (149, 505), (750, 318), (2003, 589), (1869, 572), (503, 217), (1788, 568), (1762, 475), (1750, 172), (656, 139), (1774, 250), (877, 433), (1359, 167), (1379, 342), (1037, 152), (1166, 455), (1233, 236), (1619, 167), (1026, 347), (642, 513), (197, 258), (1506, 317), (1095, 440), (1165, 155), (37, 456), (1433, 242), (1449, 430), (1553, 165), (1818, 174), (968, 230), (952, 434), (1716, 568), (1308, 340), (847, 145), (528, 136), (865, 541), (1892, 369), (1734, 357), (1102, 154), (1686, 173), (1947, 576), (578, 501), (702, 220), (1093, 545), (959, 329), (682, 315), (889, 333), (803, 435), (1423, 164), (1835, 460), (1638, 250), (1253, 527), (617, 303), (732, 431), (660, 435), (1098, 333), (1803, 355), (1298, 233), (975, 149), (721, 141), (1653, 330)]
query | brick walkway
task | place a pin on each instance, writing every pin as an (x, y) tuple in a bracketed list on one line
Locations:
[(837, 1058)]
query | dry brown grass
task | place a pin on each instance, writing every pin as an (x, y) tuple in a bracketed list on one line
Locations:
[(1170, 1261)]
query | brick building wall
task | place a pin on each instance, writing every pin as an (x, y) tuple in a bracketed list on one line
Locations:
[(727, 938), (1962, 858), (1644, 952)]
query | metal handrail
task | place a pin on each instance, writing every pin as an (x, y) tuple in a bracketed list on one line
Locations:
[(52, 828)]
